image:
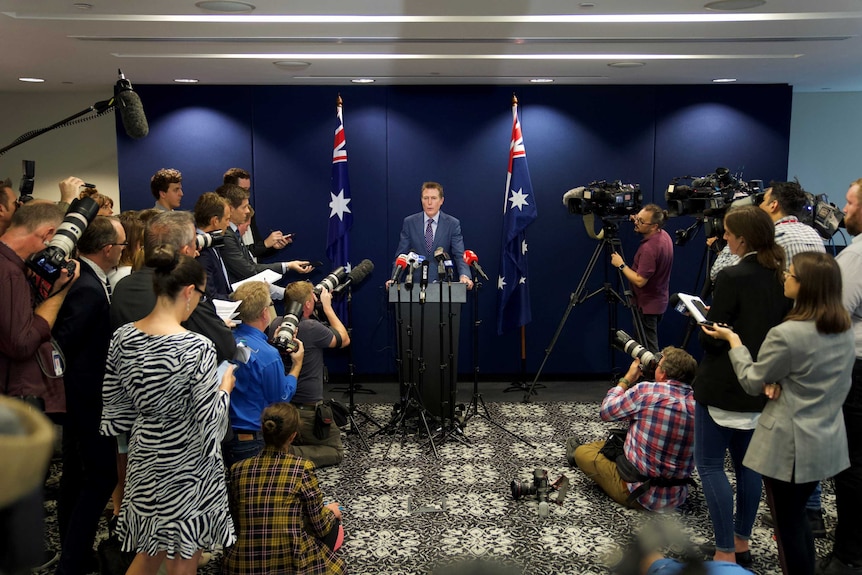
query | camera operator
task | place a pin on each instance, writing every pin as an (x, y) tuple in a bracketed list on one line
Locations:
[(83, 332), (237, 258), (657, 457), (783, 202), (649, 273), (322, 446), (25, 327), (212, 214), (260, 381)]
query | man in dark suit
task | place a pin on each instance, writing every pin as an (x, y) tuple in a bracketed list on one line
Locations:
[(134, 297), (258, 246), (236, 255), (83, 332), (212, 215), (431, 229)]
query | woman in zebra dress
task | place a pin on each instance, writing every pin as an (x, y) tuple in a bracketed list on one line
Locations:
[(162, 384)]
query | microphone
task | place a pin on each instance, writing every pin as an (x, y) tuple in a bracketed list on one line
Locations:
[(472, 260), (441, 256), (423, 281), (356, 275), (131, 109), (414, 259), (398, 268)]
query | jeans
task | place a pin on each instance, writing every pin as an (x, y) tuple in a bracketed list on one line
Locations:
[(235, 450), (711, 442), (650, 323)]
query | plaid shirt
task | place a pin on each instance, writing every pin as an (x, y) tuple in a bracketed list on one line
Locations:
[(660, 441), (279, 513)]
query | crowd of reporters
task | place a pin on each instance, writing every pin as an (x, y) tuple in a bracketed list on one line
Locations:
[(778, 382)]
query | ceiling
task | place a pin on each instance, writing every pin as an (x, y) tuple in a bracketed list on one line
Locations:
[(812, 45)]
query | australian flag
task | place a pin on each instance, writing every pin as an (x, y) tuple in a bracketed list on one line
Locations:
[(519, 211), (340, 216)]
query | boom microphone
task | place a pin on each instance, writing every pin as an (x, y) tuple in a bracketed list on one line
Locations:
[(472, 260), (398, 268), (356, 275), (131, 109)]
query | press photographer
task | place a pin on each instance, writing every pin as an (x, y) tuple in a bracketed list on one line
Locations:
[(651, 467), (649, 273), (26, 353)]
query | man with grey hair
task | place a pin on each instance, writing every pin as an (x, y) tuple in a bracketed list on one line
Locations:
[(25, 323), (134, 298)]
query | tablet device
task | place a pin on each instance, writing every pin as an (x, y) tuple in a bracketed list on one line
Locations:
[(695, 307)]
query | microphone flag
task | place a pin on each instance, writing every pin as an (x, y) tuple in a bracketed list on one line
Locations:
[(519, 211), (340, 215)]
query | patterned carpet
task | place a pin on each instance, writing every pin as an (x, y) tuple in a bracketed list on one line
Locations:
[(471, 482)]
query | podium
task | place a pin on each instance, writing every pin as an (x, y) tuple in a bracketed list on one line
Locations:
[(424, 320)]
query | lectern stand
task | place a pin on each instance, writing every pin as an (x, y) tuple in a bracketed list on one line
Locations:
[(428, 362)]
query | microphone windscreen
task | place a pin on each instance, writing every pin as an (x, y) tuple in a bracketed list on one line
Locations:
[(132, 114), (362, 269), (673, 300)]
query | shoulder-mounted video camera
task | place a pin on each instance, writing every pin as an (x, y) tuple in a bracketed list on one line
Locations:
[(605, 199)]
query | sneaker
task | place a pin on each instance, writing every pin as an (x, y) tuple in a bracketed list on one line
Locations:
[(834, 566), (572, 444)]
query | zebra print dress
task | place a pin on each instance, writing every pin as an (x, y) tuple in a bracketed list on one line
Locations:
[(165, 390)]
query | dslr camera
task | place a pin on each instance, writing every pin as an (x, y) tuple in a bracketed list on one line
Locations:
[(540, 488), (213, 239), (51, 261), (627, 344), (283, 339)]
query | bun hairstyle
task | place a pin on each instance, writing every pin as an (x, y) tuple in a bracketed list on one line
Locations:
[(278, 422), (173, 271)]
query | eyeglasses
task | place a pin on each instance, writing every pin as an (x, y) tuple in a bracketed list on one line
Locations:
[(787, 273), (203, 294), (116, 244), (642, 222)]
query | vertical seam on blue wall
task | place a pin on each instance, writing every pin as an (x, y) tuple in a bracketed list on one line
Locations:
[(253, 170)]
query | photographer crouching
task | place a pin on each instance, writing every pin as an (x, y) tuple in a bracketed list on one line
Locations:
[(651, 467)]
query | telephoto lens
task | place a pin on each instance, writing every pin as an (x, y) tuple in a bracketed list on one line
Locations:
[(286, 332)]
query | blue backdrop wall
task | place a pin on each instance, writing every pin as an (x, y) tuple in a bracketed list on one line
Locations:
[(398, 137)]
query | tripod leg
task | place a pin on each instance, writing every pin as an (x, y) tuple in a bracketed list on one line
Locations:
[(355, 429), (487, 415)]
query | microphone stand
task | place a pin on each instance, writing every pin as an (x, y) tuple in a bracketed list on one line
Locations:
[(454, 428), (99, 108), (476, 400), (351, 387)]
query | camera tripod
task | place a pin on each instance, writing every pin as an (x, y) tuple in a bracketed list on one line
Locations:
[(610, 243)]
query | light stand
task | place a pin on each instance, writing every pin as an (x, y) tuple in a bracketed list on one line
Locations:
[(611, 243), (476, 400)]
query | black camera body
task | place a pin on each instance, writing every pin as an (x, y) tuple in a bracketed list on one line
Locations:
[(51, 261), (28, 181), (538, 489), (627, 344), (709, 197), (605, 199)]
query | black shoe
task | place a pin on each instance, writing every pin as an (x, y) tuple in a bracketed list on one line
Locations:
[(766, 519), (743, 558), (572, 444), (815, 519), (834, 566)]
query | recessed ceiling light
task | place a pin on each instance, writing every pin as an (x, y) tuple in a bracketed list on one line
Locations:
[(362, 81), (186, 80), (82, 6), (224, 6), (587, 5), (542, 80), (724, 80), (627, 64), (32, 80), (291, 65), (734, 4)]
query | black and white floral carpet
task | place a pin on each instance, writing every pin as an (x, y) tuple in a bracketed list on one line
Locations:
[(406, 512)]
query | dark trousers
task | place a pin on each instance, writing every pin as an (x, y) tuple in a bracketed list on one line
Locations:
[(848, 483), (650, 322), (787, 501), (89, 477)]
